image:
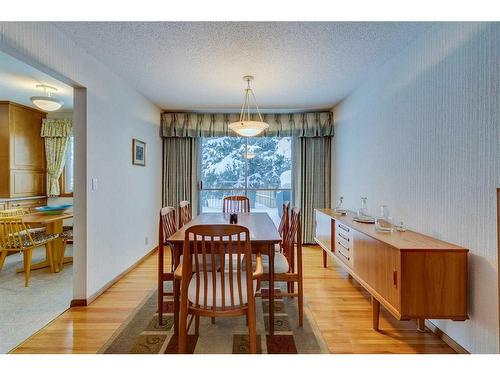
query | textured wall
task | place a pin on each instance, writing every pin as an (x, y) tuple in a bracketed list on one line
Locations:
[(422, 135), (123, 210)]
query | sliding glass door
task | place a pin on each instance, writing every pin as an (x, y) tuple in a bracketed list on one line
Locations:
[(259, 168)]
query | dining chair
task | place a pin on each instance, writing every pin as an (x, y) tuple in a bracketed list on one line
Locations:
[(235, 203), (209, 293), (166, 229), (67, 237), (284, 262), (15, 236), (184, 213)]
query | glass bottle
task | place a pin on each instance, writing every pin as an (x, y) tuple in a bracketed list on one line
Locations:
[(383, 222), (339, 209), (363, 210)]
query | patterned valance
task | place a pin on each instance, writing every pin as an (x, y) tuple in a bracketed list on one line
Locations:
[(305, 124), (57, 128)]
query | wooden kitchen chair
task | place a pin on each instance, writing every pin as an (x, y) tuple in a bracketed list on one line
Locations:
[(207, 292), (67, 237), (235, 203), (284, 262), (166, 229), (184, 213), (15, 236)]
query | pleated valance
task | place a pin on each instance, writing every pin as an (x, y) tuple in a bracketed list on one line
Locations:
[(305, 124), (57, 128)]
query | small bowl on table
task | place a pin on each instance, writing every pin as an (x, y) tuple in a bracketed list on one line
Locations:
[(53, 210)]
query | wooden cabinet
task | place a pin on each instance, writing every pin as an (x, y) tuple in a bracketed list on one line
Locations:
[(27, 203), (22, 158), (410, 274)]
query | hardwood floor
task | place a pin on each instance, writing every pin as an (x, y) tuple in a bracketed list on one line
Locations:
[(339, 305)]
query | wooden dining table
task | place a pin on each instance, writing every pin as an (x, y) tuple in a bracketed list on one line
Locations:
[(53, 225), (263, 237)]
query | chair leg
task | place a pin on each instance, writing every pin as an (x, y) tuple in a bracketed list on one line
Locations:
[(252, 329), (3, 255), (183, 315), (301, 301), (63, 251), (50, 255), (27, 266), (197, 325)]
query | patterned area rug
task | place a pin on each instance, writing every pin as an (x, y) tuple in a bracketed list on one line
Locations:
[(141, 333)]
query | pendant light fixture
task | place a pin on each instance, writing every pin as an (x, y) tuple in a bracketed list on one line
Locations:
[(46, 102), (245, 126)]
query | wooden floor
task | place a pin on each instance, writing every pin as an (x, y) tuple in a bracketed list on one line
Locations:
[(339, 305)]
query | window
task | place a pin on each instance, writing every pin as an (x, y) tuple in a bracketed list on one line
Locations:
[(67, 177), (259, 168)]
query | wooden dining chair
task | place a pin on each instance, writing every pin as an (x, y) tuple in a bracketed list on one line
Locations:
[(166, 229), (207, 292), (15, 236), (184, 213), (284, 262), (235, 203), (67, 237)]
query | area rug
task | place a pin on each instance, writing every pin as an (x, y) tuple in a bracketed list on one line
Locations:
[(141, 333)]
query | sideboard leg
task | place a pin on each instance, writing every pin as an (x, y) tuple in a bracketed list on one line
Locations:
[(376, 313), (325, 261), (421, 324)]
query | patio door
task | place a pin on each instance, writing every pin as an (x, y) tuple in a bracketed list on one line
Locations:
[(259, 168)]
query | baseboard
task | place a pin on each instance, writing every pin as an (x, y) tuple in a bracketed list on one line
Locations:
[(89, 300), (78, 302), (447, 339)]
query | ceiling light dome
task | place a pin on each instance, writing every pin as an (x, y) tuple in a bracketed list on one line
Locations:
[(245, 126), (46, 102)]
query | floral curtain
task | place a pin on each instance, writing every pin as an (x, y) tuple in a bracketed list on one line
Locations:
[(57, 133)]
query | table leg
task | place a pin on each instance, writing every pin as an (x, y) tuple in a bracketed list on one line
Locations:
[(271, 290), (421, 324), (375, 313), (177, 288), (57, 244)]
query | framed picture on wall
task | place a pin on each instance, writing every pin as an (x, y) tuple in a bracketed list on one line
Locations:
[(138, 152)]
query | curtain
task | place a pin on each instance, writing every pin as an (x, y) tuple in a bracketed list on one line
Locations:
[(180, 171), (305, 124), (312, 179), (56, 134)]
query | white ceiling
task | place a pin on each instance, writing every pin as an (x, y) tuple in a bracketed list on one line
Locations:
[(18, 83), (199, 65)]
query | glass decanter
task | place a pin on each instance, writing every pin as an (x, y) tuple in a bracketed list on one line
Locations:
[(339, 209), (383, 222), (363, 210)]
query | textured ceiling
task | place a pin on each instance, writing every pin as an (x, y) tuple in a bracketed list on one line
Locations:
[(199, 65), (18, 83)]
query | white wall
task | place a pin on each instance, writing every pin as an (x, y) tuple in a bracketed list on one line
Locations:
[(422, 135), (123, 211)]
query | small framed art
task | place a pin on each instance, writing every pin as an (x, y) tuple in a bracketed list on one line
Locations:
[(138, 152)]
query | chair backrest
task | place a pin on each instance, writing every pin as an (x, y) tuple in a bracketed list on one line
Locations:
[(235, 203), (14, 234), (292, 237), (207, 242), (184, 213), (167, 222), (283, 228), (14, 212)]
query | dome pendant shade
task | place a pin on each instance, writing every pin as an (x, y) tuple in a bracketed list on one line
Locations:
[(47, 102), (245, 126)]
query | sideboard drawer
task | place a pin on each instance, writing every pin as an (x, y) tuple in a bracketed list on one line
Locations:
[(344, 244)]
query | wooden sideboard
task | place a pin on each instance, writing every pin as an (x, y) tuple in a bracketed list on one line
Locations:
[(412, 275)]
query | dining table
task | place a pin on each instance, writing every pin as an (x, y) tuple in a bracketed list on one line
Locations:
[(263, 237), (53, 225)]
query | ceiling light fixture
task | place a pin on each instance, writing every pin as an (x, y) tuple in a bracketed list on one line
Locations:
[(247, 127), (47, 102)]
